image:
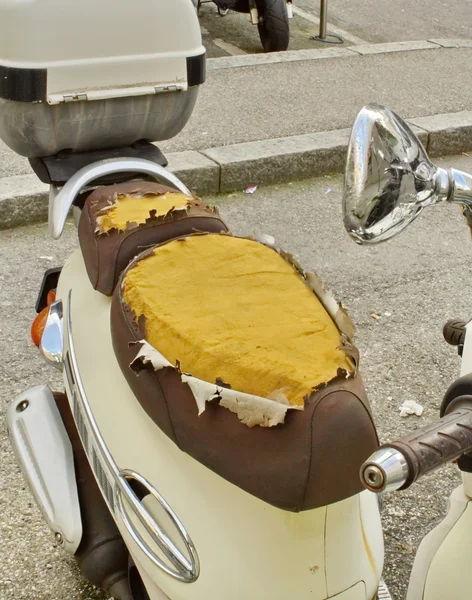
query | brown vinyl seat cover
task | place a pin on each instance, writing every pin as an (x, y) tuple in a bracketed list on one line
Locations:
[(108, 250), (312, 459)]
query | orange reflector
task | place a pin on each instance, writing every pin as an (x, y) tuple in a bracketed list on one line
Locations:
[(39, 322), (38, 325)]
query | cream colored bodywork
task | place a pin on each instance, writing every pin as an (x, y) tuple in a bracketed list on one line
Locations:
[(432, 564), (450, 575), (247, 548), (466, 363), (441, 568)]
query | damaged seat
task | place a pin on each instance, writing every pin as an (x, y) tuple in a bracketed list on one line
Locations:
[(245, 362), (119, 221)]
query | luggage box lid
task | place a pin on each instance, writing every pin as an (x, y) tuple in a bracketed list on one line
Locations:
[(54, 52)]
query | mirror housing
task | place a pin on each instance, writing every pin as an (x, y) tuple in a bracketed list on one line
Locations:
[(389, 178)]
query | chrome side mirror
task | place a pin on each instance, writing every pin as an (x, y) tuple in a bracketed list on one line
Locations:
[(389, 178)]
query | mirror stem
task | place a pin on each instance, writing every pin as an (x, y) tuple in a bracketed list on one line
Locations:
[(461, 192), (453, 186)]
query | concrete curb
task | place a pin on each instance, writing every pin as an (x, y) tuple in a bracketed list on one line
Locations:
[(24, 200), (280, 160)]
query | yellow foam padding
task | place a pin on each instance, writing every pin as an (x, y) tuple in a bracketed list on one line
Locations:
[(136, 209), (231, 308)]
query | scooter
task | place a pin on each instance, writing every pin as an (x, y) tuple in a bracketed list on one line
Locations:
[(270, 16), (171, 503)]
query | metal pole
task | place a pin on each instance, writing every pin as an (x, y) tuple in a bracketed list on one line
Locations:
[(323, 18), (327, 38)]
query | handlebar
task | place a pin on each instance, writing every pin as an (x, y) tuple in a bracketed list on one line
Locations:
[(398, 464)]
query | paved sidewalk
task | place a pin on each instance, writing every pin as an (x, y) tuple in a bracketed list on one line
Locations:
[(305, 96)]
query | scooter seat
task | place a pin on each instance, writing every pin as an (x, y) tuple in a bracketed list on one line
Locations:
[(119, 221), (234, 356)]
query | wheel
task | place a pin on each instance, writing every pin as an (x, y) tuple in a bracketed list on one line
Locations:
[(273, 26)]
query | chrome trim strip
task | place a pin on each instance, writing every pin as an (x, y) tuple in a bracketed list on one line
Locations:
[(163, 541), (61, 200), (52, 339), (186, 569)]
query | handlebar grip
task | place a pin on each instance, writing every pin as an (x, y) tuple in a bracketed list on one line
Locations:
[(400, 463), (436, 444)]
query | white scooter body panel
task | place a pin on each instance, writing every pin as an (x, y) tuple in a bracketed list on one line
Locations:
[(440, 569), (247, 548), (450, 575), (466, 363)]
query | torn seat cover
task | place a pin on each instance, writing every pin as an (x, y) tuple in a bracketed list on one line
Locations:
[(246, 363), (119, 221)]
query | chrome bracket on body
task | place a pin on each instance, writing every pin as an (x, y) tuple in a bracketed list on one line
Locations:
[(115, 482), (51, 344), (61, 199)]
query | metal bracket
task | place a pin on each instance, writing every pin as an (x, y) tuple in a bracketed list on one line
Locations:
[(82, 97), (52, 340), (253, 12)]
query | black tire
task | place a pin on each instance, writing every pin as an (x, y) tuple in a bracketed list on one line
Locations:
[(274, 29)]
